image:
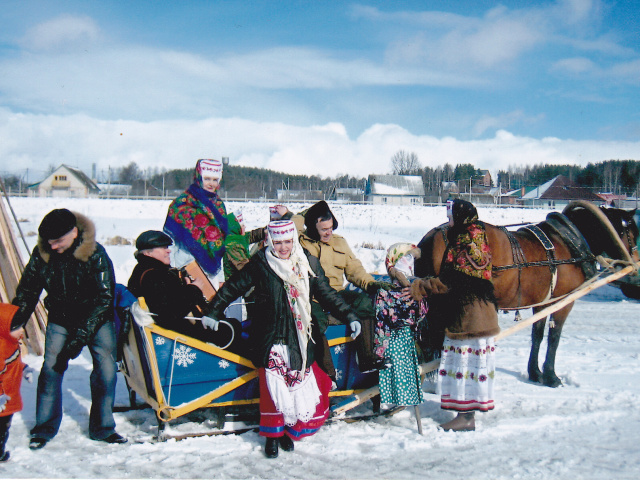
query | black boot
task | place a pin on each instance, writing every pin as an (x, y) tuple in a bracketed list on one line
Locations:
[(271, 448), (286, 443), (5, 423)]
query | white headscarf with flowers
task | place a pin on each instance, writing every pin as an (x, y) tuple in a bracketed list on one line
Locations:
[(294, 272)]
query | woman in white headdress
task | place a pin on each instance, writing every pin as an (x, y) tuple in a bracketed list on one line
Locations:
[(294, 391)]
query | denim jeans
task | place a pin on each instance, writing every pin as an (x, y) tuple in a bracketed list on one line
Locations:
[(102, 382)]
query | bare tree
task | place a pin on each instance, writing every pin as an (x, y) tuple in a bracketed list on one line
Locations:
[(403, 163), (129, 173)]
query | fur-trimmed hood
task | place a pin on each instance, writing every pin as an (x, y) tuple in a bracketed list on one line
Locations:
[(87, 240)]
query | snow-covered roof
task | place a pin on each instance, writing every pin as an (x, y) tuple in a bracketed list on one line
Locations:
[(397, 185), (561, 188)]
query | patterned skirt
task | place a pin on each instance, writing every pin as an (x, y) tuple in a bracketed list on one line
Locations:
[(400, 382), (466, 374), (292, 402)]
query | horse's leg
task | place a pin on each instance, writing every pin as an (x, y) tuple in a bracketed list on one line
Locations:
[(549, 377), (537, 334)]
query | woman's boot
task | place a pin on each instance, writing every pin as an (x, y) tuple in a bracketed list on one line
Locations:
[(271, 448), (464, 422), (286, 443)]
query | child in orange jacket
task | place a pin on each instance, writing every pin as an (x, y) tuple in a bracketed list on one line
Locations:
[(11, 371)]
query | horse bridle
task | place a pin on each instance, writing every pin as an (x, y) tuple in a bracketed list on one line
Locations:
[(631, 245)]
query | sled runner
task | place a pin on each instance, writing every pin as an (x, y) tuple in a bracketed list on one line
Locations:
[(175, 374)]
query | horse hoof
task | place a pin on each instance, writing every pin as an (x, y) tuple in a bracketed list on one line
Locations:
[(552, 382), (535, 377)]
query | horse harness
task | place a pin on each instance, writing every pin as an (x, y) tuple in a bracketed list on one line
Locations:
[(580, 253)]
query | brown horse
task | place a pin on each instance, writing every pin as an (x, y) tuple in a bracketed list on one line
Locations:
[(526, 274)]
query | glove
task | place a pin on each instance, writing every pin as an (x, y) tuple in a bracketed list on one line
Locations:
[(62, 362), (355, 329), (74, 348), (423, 287), (373, 287), (28, 373), (4, 398), (210, 323)]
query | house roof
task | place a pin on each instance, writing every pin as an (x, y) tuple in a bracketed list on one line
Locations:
[(396, 185), (561, 188), (80, 175)]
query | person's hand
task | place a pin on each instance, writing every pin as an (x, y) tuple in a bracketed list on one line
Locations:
[(28, 374), (282, 210), (4, 398), (423, 287), (62, 363), (210, 323), (355, 329), (406, 294), (373, 287)]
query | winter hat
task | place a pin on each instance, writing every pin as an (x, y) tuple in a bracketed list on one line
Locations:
[(56, 224), (209, 167), (319, 211), (281, 230), (153, 239)]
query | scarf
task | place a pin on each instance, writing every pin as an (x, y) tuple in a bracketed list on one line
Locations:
[(236, 247), (197, 222), (295, 272), (468, 251)]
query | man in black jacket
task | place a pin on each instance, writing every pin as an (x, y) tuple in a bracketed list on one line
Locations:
[(165, 292), (78, 276)]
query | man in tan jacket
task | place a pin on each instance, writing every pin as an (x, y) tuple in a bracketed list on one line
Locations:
[(315, 228)]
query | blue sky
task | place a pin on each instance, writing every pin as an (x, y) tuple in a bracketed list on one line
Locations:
[(317, 87)]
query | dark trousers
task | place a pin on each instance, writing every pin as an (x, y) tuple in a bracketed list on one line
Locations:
[(102, 382), (5, 423), (362, 305)]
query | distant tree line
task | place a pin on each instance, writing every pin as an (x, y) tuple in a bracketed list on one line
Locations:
[(614, 176)]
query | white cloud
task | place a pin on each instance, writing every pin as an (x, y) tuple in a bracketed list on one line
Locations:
[(65, 31), (35, 142), (503, 121)]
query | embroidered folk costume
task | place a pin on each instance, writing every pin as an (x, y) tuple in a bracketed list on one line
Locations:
[(467, 367), (294, 393), (397, 322), (197, 221)]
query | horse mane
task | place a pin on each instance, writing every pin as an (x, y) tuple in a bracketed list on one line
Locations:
[(581, 212)]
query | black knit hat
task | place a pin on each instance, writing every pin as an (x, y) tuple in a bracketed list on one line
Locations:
[(319, 211), (153, 239), (56, 224)]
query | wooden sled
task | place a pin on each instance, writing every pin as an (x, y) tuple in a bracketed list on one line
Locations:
[(175, 374)]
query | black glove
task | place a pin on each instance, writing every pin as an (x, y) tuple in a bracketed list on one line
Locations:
[(62, 362), (373, 287)]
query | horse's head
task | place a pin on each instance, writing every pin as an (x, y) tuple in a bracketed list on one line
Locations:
[(626, 226)]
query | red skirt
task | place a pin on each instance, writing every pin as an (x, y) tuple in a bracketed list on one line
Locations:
[(272, 422)]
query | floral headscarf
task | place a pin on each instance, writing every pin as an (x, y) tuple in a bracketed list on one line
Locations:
[(197, 222), (468, 251)]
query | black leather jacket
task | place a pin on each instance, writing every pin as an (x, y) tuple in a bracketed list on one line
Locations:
[(80, 285), (164, 291), (275, 318)]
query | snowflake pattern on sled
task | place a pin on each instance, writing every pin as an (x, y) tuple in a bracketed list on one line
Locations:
[(183, 356)]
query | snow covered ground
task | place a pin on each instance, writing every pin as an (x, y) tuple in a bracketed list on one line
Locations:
[(587, 429)]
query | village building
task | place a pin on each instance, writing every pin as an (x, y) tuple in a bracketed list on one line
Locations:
[(395, 190), (558, 193), (65, 181)]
